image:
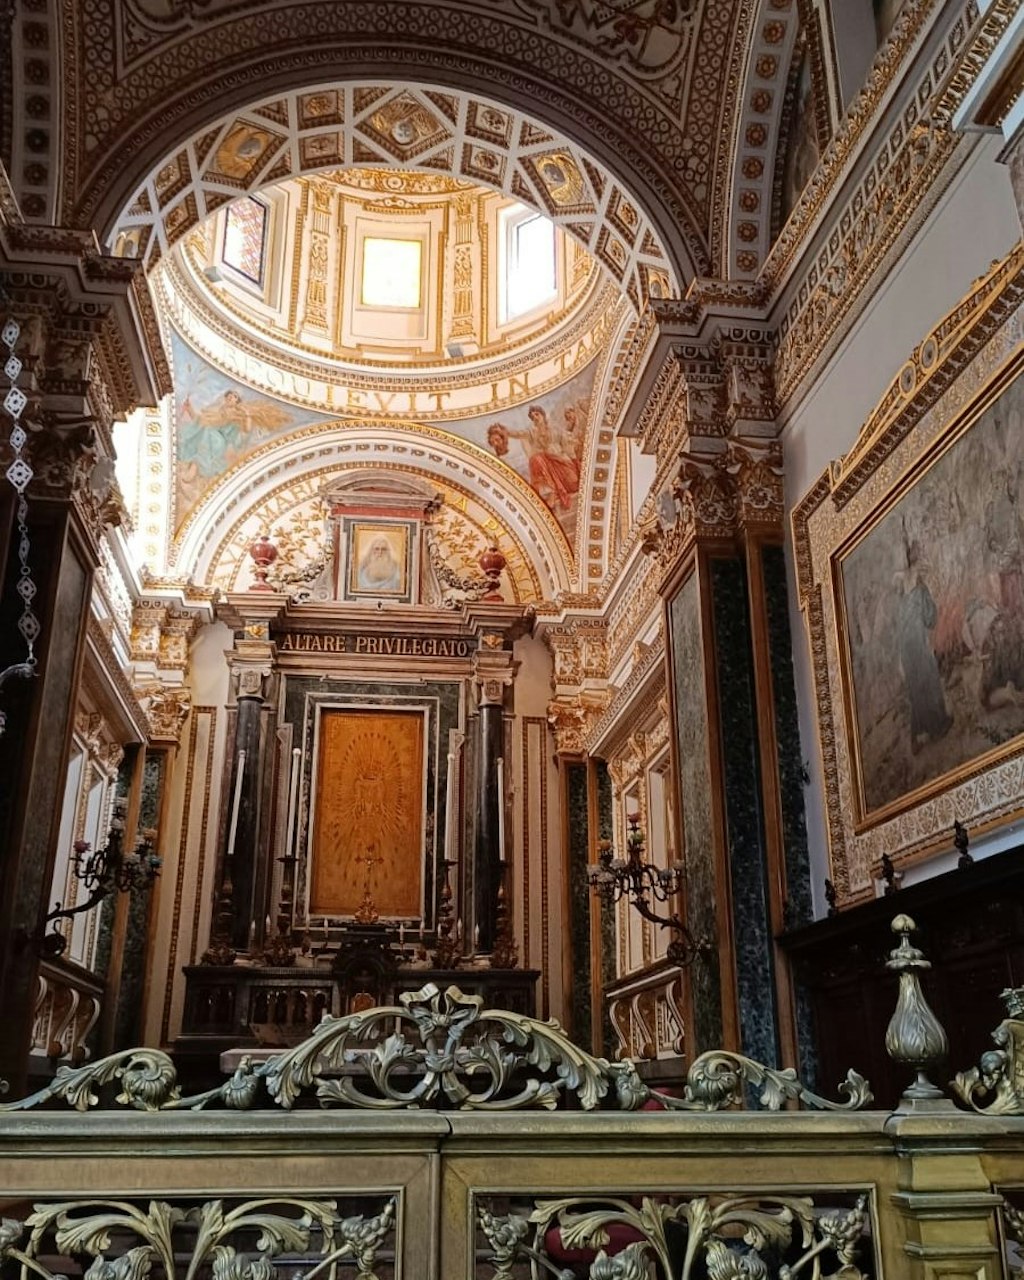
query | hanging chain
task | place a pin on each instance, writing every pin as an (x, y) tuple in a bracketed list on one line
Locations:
[(19, 473)]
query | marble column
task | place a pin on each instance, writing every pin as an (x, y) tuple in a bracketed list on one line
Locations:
[(494, 672), (34, 751), (241, 873), (91, 352), (736, 748)]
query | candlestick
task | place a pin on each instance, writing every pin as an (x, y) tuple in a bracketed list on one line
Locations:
[(449, 812), (500, 768), (291, 833), (252, 935), (401, 935), (235, 802)]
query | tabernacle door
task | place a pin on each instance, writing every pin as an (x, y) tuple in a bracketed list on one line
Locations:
[(369, 815)]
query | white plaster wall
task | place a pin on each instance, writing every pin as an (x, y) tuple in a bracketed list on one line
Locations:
[(642, 468), (975, 223), (187, 840), (533, 745)]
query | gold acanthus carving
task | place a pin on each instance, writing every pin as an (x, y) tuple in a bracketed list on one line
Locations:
[(572, 718), (579, 650), (99, 740), (167, 709), (737, 490), (162, 632)]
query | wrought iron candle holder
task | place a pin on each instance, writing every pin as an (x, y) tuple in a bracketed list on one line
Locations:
[(642, 884), (103, 872)]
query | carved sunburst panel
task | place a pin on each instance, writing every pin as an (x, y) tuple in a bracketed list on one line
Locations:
[(258, 494)]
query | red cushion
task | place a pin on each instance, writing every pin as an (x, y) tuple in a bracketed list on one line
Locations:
[(619, 1236)]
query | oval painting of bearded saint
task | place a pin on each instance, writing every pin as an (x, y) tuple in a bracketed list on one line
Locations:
[(378, 561)]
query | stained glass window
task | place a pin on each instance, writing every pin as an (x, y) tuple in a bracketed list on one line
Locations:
[(391, 272), (245, 235)]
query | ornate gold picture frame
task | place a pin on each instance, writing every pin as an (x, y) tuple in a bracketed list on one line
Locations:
[(909, 559), (378, 556), (929, 598)]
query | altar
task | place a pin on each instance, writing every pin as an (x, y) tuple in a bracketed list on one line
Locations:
[(368, 823)]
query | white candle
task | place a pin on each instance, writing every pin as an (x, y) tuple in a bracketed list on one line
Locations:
[(266, 925), (236, 801), (500, 765), (293, 803), (449, 813), (401, 935)]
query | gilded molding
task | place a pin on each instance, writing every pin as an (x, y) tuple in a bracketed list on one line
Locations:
[(985, 39), (860, 117)]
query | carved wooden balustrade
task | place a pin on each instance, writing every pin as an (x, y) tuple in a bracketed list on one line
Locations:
[(68, 1004), (456, 1142)]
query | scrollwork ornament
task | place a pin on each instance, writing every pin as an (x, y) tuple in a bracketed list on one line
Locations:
[(996, 1085), (1013, 1227), (727, 1236), (126, 1241), (715, 1080), (436, 1049), (505, 1235)]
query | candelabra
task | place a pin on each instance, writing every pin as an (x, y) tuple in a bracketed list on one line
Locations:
[(103, 872), (642, 883)]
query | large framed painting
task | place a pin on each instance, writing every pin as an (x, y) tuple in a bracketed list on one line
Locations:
[(931, 609), (378, 560), (368, 838), (910, 567)]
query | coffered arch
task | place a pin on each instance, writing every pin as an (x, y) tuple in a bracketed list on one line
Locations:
[(141, 89), (396, 126)]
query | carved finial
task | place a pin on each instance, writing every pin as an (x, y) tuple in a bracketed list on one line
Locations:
[(961, 842), (890, 875), (915, 1037)]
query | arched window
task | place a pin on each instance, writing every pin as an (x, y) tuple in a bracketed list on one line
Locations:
[(529, 251)]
